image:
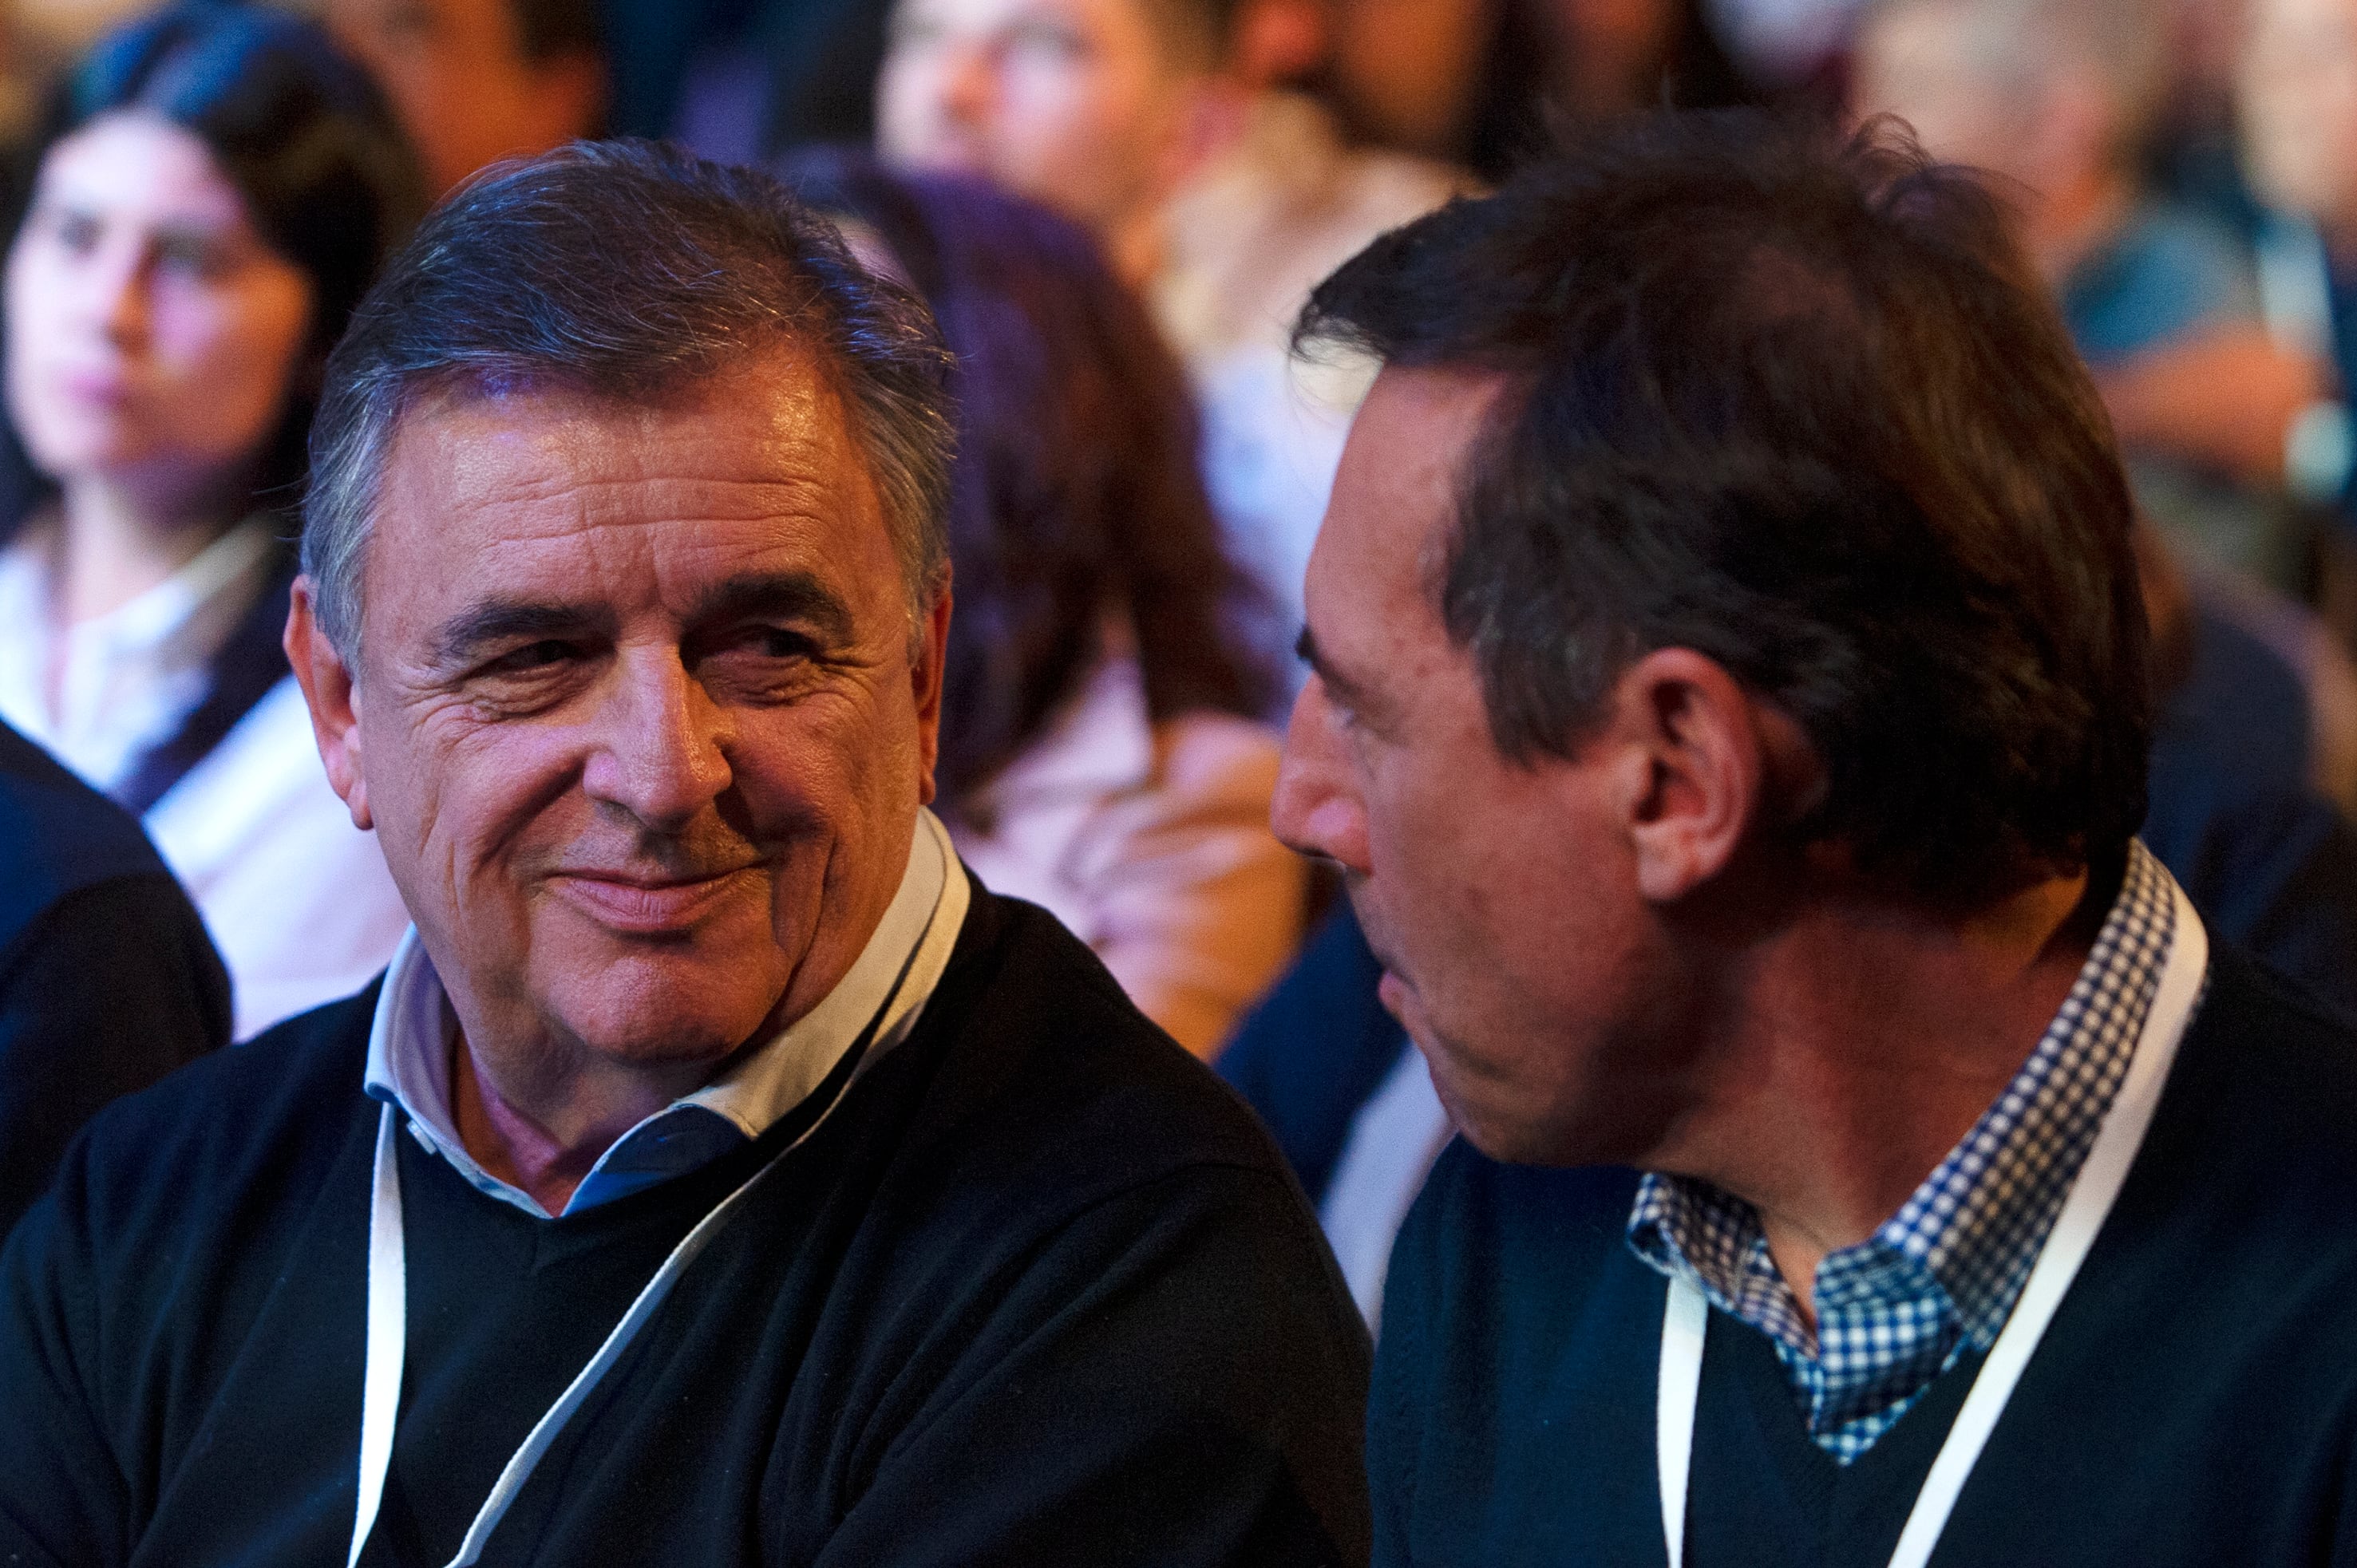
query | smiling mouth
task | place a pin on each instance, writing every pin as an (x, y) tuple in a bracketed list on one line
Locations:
[(640, 906)]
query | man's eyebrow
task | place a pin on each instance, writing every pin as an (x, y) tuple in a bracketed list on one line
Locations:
[(1345, 691), (779, 595), (495, 621)]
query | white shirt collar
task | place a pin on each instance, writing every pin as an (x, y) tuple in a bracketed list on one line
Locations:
[(129, 676), (411, 1037)]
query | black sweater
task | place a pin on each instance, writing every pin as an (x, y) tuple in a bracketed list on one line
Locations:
[(107, 979), (2194, 1401), (1039, 1291)]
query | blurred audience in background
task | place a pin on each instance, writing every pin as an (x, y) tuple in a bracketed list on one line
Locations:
[(1482, 82), (478, 80), (1165, 126), (1099, 750), (2058, 97), (216, 189), (1145, 463), (2297, 102)]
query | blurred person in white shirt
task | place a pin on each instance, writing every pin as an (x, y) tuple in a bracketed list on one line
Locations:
[(1223, 194), (216, 190)]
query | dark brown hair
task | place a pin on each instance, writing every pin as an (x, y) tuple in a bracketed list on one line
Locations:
[(1799, 406)]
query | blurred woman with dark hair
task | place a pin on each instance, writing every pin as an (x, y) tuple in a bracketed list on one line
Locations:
[(216, 189), (1099, 755)]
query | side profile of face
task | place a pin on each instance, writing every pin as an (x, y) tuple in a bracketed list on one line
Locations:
[(1081, 104), (2297, 98), (641, 718), (459, 80), (153, 334), (1502, 899)]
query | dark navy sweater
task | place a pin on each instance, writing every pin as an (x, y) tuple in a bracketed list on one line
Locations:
[(107, 979), (2194, 1401), (1039, 1292)]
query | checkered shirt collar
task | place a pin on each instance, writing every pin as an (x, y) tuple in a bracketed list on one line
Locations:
[(1896, 1309)]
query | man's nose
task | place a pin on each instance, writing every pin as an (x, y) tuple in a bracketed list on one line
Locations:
[(662, 749), (1317, 809)]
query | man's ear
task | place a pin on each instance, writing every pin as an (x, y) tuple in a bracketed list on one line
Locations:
[(1696, 768), (326, 685), (926, 673)]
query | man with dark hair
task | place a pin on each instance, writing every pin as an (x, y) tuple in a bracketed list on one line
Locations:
[(717, 1175), (478, 80), (1730, 714)]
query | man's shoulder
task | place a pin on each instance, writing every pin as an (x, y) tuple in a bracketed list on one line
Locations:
[(1484, 1229), (298, 1079), (1515, 1365), (2265, 1084), (1042, 1059), (58, 835), (1502, 1271)]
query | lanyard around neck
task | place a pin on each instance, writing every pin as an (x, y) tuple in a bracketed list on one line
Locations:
[(1686, 1319), (388, 1290)]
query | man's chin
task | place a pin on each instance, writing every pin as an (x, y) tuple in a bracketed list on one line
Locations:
[(663, 1009), (1515, 1125)]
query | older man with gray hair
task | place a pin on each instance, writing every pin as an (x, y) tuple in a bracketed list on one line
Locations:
[(717, 1175)]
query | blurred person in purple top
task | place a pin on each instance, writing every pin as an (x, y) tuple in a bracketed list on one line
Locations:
[(1099, 754)]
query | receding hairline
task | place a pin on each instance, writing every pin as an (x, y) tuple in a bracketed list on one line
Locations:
[(787, 360), (788, 367), (790, 354)]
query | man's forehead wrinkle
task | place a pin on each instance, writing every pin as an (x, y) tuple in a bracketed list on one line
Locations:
[(563, 502)]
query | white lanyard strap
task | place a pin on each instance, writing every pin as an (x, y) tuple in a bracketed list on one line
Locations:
[(388, 1289), (1682, 1325), (1685, 1319), (388, 1331)]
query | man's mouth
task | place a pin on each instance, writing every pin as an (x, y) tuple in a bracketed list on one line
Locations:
[(646, 902)]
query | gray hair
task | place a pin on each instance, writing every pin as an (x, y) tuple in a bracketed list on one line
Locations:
[(626, 270)]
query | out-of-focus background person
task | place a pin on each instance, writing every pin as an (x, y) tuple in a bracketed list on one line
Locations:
[(216, 189), (2255, 740), (478, 80), (2059, 98), (1219, 191), (1099, 754), (2295, 103), (107, 981), (1484, 83)]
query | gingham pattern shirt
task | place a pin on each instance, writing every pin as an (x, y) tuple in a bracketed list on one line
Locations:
[(1897, 1309)]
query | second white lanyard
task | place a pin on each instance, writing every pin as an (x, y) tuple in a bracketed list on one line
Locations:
[(1685, 1319)]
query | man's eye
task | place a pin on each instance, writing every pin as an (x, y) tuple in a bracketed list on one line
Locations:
[(532, 656), (777, 642)]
